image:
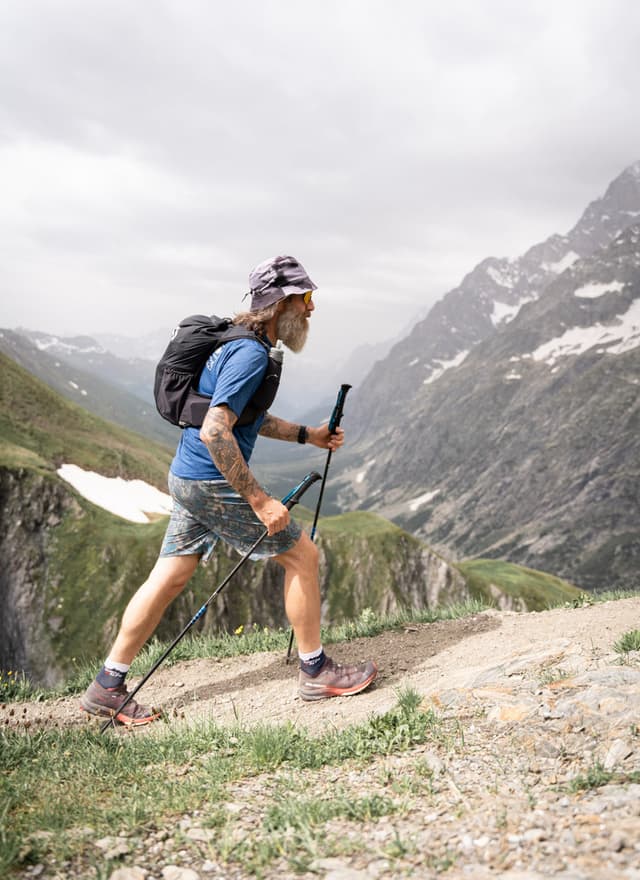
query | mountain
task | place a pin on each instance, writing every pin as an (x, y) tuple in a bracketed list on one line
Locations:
[(116, 389), (487, 299), (507, 423), (131, 373)]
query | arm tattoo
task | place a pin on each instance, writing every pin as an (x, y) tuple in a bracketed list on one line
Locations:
[(278, 429), (217, 435)]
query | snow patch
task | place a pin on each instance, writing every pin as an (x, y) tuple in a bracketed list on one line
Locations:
[(614, 338), (444, 366), (512, 376), (504, 312), (500, 278), (415, 503), (566, 261), (45, 343), (597, 288), (363, 473), (129, 499), (413, 362)]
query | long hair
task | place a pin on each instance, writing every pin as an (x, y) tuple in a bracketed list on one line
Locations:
[(256, 321)]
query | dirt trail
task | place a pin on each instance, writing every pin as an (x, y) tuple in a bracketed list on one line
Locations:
[(432, 658)]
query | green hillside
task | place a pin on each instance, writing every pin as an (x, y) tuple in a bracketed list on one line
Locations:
[(41, 429), (536, 590)]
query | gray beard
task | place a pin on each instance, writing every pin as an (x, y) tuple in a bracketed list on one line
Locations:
[(293, 330)]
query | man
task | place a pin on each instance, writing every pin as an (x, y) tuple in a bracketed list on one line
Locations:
[(216, 497)]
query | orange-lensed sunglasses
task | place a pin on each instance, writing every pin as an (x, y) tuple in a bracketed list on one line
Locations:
[(307, 297)]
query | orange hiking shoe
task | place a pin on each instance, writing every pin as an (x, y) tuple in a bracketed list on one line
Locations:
[(335, 680), (98, 700)]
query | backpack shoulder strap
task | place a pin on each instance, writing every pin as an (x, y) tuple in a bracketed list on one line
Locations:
[(237, 331)]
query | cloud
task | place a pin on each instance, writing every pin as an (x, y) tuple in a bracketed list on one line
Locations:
[(150, 155)]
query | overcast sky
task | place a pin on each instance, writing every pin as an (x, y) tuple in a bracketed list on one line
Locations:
[(151, 153)]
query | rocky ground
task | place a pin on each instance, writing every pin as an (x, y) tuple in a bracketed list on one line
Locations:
[(535, 773)]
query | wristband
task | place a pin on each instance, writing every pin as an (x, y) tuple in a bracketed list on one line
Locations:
[(302, 434)]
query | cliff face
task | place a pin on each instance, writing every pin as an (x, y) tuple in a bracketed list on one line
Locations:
[(68, 569), (32, 505)]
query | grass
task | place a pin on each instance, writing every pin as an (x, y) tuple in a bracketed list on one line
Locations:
[(536, 589), (54, 783), (294, 828), (39, 428), (629, 641), (596, 776)]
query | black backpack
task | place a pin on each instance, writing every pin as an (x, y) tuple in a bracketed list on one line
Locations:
[(179, 368)]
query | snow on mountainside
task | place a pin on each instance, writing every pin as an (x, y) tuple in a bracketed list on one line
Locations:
[(133, 500), (131, 373), (487, 299), (508, 422)]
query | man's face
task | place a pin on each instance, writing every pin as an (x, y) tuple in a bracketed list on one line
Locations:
[(293, 322)]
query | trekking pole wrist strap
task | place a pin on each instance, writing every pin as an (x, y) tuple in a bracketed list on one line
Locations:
[(303, 434)]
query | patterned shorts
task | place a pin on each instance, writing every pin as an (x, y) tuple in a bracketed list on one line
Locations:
[(207, 510)]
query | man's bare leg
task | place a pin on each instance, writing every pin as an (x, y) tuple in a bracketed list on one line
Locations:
[(302, 592), (106, 693), (142, 615), (319, 678)]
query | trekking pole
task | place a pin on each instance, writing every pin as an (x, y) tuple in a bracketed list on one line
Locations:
[(289, 501), (334, 422)]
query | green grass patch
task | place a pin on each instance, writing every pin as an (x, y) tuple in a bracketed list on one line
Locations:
[(53, 783), (15, 686), (40, 428), (536, 589), (595, 777), (294, 829), (629, 641)]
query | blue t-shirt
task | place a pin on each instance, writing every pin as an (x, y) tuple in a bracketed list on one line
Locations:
[(232, 375)]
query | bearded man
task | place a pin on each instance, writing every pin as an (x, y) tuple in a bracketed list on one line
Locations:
[(216, 497)]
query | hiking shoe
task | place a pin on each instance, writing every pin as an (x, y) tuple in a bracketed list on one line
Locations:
[(98, 700), (335, 680)]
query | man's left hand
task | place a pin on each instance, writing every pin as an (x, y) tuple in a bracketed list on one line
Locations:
[(324, 440)]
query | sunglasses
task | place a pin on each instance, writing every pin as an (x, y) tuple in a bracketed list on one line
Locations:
[(306, 297)]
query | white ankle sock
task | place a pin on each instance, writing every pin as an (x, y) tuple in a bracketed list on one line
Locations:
[(311, 655), (119, 667)]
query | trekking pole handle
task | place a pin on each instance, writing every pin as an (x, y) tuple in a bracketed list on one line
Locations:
[(296, 494), (338, 410)]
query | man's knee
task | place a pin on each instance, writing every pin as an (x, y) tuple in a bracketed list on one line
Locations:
[(172, 573), (304, 554)]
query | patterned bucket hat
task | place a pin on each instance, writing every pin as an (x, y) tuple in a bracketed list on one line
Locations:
[(276, 278)]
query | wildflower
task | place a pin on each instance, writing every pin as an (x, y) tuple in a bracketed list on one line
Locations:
[(239, 630)]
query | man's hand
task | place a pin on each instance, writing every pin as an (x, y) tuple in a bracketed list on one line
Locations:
[(322, 438), (272, 513)]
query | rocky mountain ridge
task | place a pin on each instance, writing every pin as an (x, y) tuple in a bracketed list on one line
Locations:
[(517, 438), (488, 298)]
